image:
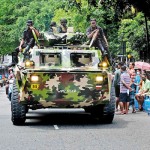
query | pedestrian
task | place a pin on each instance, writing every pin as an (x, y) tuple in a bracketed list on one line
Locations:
[(117, 83), (97, 37), (11, 73), (137, 79), (124, 90), (145, 90), (132, 92), (131, 68), (11, 76)]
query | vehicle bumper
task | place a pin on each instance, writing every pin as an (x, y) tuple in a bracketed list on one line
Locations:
[(65, 90)]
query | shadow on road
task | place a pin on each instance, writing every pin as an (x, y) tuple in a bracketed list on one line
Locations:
[(69, 118)]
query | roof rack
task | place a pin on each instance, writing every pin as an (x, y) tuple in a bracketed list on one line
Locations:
[(72, 47)]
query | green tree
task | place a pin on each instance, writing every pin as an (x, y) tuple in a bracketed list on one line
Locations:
[(127, 27), (13, 17), (133, 31)]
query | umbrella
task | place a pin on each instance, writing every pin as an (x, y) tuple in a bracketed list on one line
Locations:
[(142, 65)]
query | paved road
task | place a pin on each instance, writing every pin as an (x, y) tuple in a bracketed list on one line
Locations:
[(72, 130)]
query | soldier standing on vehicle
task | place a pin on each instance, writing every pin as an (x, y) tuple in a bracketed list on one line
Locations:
[(27, 41), (97, 37), (63, 26)]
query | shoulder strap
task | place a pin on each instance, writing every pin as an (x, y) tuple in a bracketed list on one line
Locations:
[(35, 37)]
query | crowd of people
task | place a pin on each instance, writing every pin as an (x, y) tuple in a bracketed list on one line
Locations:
[(130, 84)]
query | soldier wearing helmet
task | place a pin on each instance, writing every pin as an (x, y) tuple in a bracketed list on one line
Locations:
[(27, 41), (53, 27), (63, 26), (28, 37)]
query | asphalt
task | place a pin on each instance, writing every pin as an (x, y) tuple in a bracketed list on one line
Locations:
[(63, 129)]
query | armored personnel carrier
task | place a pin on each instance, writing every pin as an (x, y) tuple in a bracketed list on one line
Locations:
[(63, 73)]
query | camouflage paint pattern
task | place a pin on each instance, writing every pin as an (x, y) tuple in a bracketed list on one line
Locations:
[(63, 86)]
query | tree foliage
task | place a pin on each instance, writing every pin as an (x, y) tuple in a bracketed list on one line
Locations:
[(134, 32), (13, 17), (14, 14)]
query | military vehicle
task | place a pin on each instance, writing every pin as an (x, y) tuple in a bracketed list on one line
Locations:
[(63, 73)]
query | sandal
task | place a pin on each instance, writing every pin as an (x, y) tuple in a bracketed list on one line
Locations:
[(141, 109), (125, 112), (117, 110), (133, 111), (119, 113)]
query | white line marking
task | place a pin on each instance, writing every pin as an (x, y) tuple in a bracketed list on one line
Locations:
[(56, 127)]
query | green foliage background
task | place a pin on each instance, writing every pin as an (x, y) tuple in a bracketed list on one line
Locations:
[(15, 13)]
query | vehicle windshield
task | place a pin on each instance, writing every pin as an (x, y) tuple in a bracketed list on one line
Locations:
[(50, 59), (81, 59)]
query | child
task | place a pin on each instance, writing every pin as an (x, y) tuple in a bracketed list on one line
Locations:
[(137, 80), (132, 94)]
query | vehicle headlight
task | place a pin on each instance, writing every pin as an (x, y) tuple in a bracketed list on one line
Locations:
[(29, 63), (99, 78), (103, 64), (34, 78)]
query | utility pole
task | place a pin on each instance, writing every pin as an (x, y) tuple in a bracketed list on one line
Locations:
[(147, 38), (1, 59), (124, 50)]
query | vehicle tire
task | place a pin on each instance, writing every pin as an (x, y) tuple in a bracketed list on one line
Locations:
[(10, 96), (1, 84), (109, 109), (18, 110), (97, 112), (27, 109), (105, 113), (6, 89)]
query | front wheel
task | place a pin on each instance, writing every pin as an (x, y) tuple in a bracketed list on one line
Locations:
[(9, 96), (1, 84), (109, 109), (18, 111), (107, 119), (104, 113)]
